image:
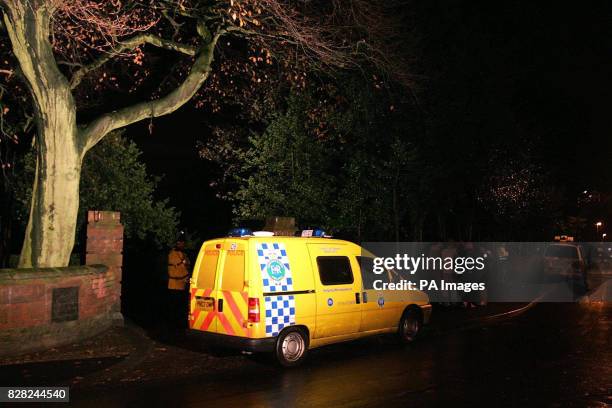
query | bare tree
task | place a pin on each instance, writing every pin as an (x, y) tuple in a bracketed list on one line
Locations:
[(58, 44)]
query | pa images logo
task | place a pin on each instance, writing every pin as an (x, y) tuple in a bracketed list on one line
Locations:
[(276, 269)]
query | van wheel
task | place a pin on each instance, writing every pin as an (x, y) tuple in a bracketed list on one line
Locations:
[(291, 347), (409, 327)]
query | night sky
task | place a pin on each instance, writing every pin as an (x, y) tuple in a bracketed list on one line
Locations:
[(516, 70)]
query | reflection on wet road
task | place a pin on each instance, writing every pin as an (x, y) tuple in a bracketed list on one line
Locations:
[(553, 355)]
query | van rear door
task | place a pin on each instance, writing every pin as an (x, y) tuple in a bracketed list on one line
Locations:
[(203, 293), (232, 298)]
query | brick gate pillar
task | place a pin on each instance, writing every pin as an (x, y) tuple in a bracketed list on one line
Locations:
[(105, 246), (283, 226)]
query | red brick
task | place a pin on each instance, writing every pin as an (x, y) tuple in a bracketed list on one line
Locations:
[(16, 315), (115, 271), (85, 292), (108, 231), (26, 293), (110, 260), (79, 281), (89, 309), (35, 313), (4, 295), (98, 287), (103, 216), (105, 246)]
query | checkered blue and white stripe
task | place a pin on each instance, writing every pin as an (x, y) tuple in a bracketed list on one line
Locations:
[(280, 309), (267, 252), (280, 312)]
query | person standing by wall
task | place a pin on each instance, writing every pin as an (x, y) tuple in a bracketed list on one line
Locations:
[(179, 268)]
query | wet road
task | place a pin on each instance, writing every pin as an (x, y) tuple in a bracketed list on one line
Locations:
[(552, 355)]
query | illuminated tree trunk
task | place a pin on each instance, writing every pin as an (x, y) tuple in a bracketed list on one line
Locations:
[(55, 196), (49, 237)]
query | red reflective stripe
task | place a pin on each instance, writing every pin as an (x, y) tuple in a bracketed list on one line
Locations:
[(226, 324), (207, 320), (245, 296), (234, 307), (194, 318), (210, 315)]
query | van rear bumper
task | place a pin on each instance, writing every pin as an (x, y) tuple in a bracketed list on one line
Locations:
[(235, 342)]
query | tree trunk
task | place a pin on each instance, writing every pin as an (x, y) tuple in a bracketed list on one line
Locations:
[(50, 232), (49, 237)]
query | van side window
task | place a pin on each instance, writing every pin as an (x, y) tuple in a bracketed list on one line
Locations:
[(366, 264), (233, 271), (208, 268), (335, 270)]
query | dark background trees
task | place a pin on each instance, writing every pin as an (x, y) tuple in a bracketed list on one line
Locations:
[(505, 122)]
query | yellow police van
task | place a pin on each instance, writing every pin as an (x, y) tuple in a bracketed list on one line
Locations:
[(287, 295)]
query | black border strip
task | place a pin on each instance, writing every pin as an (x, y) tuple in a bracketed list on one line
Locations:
[(295, 292)]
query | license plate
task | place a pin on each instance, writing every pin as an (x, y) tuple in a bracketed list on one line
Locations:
[(206, 304)]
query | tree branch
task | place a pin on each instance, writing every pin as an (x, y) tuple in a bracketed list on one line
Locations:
[(108, 122), (130, 44)]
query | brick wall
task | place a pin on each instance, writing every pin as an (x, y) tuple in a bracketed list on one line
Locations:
[(47, 307), (105, 247)]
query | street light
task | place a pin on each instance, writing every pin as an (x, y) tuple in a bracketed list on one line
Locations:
[(597, 225), (603, 236)]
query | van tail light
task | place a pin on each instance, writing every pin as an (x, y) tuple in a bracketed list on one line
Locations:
[(254, 310)]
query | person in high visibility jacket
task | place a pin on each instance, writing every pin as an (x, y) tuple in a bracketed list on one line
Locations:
[(178, 277), (178, 267)]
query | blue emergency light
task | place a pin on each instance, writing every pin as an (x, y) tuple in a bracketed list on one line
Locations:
[(318, 232), (239, 232)]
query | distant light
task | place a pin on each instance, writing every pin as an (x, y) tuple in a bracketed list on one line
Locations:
[(598, 224)]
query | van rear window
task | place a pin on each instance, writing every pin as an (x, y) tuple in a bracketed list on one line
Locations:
[(208, 268), (335, 270)]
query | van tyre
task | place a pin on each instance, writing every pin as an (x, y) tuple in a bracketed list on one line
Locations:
[(291, 347), (410, 326)]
